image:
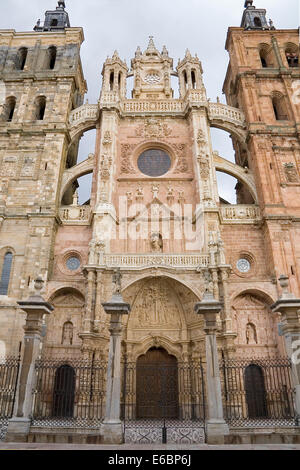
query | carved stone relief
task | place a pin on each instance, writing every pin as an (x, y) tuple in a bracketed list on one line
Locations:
[(291, 173), (153, 128), (126, 151)]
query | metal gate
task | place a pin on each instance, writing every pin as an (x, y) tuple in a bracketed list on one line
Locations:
[(9, 373), (163, 403)]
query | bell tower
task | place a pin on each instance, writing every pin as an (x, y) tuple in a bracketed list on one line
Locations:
[(114, 75), (152, 73), (189, 74), (262, 81)]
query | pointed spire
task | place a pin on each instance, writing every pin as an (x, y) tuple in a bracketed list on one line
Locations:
[(188, 55), (116, 55), (151, 49), (138, 52), (165, 52)]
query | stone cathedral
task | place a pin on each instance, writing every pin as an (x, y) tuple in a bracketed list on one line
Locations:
[(155, 212)]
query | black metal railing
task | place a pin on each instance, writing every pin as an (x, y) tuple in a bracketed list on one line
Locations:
[(69, 392), (258, 392), (9, 373)]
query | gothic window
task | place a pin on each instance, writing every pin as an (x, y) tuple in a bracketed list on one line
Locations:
[(292, 55), (40, 105), (111, 81), (6, 271), (193, 79), (266, 55), (22, 56), (10, 108), (51, 58), (279, 108), (257, 22)]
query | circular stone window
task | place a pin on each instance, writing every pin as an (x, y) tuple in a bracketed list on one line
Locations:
[(243, 265), (154, 162), (73, 263)]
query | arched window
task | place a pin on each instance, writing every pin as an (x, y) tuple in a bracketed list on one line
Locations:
[(22, 56), (111, 81), (10, 105), (279, 108), (257, 22), (119, 80), (193, 76), (64, 392), (255, 392), (40, 105), (51, 57), (292, 55), (266, 55), (6, 271)]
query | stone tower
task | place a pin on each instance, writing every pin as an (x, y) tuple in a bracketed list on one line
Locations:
[(263, 81), (42, 80)]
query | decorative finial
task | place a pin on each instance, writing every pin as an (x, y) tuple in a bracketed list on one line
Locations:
[(248, 3), (61, 4), (284, 283), (38, 285), (117, 277)]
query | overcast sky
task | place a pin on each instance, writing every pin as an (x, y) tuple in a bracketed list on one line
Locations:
[(200, 25)]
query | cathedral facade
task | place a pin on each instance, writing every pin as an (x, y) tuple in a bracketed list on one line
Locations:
[(155, 212)]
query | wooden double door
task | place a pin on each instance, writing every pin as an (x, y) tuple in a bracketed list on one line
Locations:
[(157, 385)]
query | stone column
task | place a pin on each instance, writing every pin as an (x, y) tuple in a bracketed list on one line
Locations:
[(35, 308), (111, 428), (289, 307), (216, 427)]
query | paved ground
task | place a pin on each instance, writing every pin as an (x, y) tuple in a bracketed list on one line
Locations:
[(132, 447)]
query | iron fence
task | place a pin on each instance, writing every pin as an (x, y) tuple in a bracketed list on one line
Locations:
[(163, 403), (9, 373), (69, 393), (258, 392)]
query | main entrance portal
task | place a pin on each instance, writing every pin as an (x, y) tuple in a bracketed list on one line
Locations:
[(157, 385)]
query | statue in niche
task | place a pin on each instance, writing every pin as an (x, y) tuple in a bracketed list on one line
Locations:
[(291, 173), (251, 334), (67, 334), (156, 243)]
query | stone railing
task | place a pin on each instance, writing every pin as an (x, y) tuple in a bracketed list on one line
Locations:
[(220, 111), (240, 214), (86, 112), (159, 106), (109, 97), (145, 261), (75, 214)]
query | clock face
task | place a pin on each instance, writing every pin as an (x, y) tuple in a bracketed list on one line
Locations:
[(154, 162), (152, 78)]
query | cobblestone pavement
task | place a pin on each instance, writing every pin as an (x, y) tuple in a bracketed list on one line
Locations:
[(132, 447)]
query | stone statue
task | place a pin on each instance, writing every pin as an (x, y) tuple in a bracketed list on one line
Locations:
[(156, 242), (117, 277), (251, 335), (67, 335)]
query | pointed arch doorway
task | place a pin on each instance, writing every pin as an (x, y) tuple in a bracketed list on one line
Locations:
[(157, 385)]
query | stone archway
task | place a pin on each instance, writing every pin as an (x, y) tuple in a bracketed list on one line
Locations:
[(162, 315)]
